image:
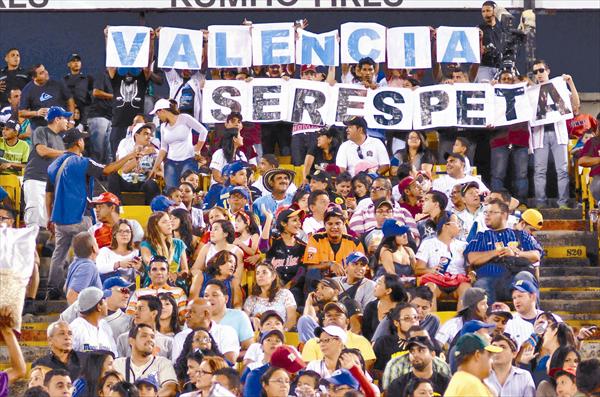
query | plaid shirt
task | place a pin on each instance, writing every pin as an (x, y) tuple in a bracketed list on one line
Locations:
[(363, 220), (400, 365)]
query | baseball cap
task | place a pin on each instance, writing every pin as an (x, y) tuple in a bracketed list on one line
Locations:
[(333, 210), (71, 136), (392, 227), (106, 198), (533, 218), (556, 372), (277, 332), (286, 214), (306, 68), (12, 124), (471, 297), (332, 330), (148, 380), (470, 343), (423, 341), (160, 203), (357, 121), (320, 176), (524, 286), (74, 56), (240, 190), (336, 305), (341, 377), (352, 307), (161, 104), (405, 183), (268, 314), (382, 201), (115, 282), (329, 282), (90, 297), (57, 111), (136, 128), (500, 309), (457, 156), (287, 358), (234, 167), (473, 326), (355, 257), (469, 185)]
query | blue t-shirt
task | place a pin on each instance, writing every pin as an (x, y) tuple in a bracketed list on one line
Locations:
[(82, 273), (239, 321), (3, 194), (252, 385)]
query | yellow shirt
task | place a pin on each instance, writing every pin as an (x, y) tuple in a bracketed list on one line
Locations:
[(463, 384), (312, 351)]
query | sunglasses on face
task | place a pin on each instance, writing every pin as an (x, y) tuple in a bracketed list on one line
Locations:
[(541, 70)]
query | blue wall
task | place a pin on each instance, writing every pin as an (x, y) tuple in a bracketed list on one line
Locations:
[(568, 40)]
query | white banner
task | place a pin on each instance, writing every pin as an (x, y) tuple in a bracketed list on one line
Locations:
[(180, 49), (435, 106), (310, 102), (317, 49), (349, 100), (362, 39), (457, 45), (551, 102), (128, 46), (229, 46), (269, 100), (409, 48), (511, 104), (273, 43), (474, 105), (389, 108), (219, 98)]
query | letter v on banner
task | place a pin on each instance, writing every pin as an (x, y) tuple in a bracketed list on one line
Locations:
[(180, 49), (127, 46)]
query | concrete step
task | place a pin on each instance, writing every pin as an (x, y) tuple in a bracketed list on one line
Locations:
[(569, 295), (566, 224), (556, 271), (593, 318), (561, 238), (579, 306), (564, 262), (570, 282), (30, 353), (556, 213)]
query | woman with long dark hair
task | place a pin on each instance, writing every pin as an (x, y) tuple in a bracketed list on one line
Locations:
[(223, 267), (222, 236), (188, 198), (394, 255), (231, 144), (106, 382), (97, 364), (176, 141), (120, 258), (247, 236), (321, 152), (566, 358), (416, 153), (388, 293), (361, 185), (200, 341), (181, 223), (169, 315)]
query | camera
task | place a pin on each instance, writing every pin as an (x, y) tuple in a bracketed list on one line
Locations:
[(512, 38)]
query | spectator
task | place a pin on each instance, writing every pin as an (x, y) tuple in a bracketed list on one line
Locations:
[(267, 294), (361, 186), (266, 163), (90, 330), (588, 377), (372, 239), (506, 378), (471, 219), (275, 382), (551, 138), (61, 355), (388, 293), (355, 285), (107, 210), (322, 152), (498, 313), (79, 86), (221, 267), (47, 144), (199, 316), (455, 173), (98, 363), (269, 321), (327, 290), (215, 292), (169, 315), (142, 363), (118, 321), (99, 118), (82, 272), (136, 175), (590, 157), (411, 195), (457, 203), (565, 380), (318, 203), (422, 299), (231, 143), (247, 235), (13, 76), (181, 222), (41, 94), (222, 236), (70, 181), (148, 386), (160, 242), (185, 87), (176, 141), (197, 345), (14, 151), (187, 199), (106, 383), (492, 261), (564, 358), (331, 342), (203, 376), (17, 367), (36, 376), (341, 382), (119, 258), (277, 182), (148, 309), (434, 207), (473, 355), (269, 341), (229, 379), (58, 383), (360, 146), (492, 42), (416, 154), (394, 255)]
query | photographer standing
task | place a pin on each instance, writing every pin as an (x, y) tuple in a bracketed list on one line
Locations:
[(492, 43)]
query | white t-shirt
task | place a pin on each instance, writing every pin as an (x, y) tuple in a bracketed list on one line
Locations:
[(445, 184), (106, 259), (176, 139), (218, 161), (311, 225), (449, 329), (127, 145), (224, 335), (432, 250), (87, 337), (371, 149), (160, 367)]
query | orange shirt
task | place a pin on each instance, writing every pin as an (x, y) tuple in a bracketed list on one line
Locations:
[(319, 249)]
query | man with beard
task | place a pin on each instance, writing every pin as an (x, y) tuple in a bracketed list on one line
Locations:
[(142, 363), (277, 181), (420, 353)]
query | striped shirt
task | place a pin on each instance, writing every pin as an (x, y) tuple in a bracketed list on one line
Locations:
[(490, 240), (519, 383), (177, 293), (363, 220)]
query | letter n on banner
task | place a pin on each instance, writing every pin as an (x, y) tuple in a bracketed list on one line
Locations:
[(551, 102), (127, 46), (409, 48), (180, 49), (318, 49), (457, 45), (221, 97), (361, 40), (435, 106), (389, 108), (311, 103)]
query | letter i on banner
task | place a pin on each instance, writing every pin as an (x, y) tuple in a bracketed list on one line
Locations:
[(127, 46), (273, 43), (318, 49), (229, 46), (361, 40), (180, 49), (457, 45), (409, 48), (550, 101)]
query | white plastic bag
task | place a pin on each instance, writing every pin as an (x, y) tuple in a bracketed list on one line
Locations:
[(17, 255)]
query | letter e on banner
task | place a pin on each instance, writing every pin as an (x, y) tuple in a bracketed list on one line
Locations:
[(511, 104), (180, 49), (389, 108), (229, 46), (409, 48), (349, 100), (273, 43), (220, 97), (457, 45), (268, 99), (434, 106), (473, 105), (361, 40), (127, 46), (317, 49), (550, 101)]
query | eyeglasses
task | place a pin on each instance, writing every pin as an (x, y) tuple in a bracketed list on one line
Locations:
[(491, 212), (4, 218), (360, 153), (327, 340), (280, 381), (202, 372), (203, 340), (378, 188), (124, 291), (124, 231), (540, 70)]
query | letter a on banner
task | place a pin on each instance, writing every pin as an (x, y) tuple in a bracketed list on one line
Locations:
[(318, 49), (361, 40), (229, 46), (458, 45), (550, 102), (127, 46), (180, 49), (409, 48), (273, 43)]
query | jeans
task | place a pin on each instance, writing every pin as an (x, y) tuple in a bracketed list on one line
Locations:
[(174, 169), (116, 185), (100, 139), (519, 158), (64, 238), (497, 287), (559, 152)]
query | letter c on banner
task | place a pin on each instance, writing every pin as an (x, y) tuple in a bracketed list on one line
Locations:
[(353, 44)]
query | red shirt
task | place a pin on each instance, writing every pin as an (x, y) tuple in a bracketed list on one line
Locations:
[(592, 149), (103, 235), (516, 134), (581, 124)]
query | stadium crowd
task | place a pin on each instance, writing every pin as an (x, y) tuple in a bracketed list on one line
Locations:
[(317, 278)]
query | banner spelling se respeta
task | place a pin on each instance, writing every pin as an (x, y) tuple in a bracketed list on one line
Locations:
[(444, 105)]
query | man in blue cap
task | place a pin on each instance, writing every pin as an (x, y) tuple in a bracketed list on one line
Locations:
[(340, 382), (147, 386), (161, 203), (355, 285)]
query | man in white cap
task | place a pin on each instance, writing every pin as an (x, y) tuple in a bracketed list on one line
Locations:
[(90, 330)]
